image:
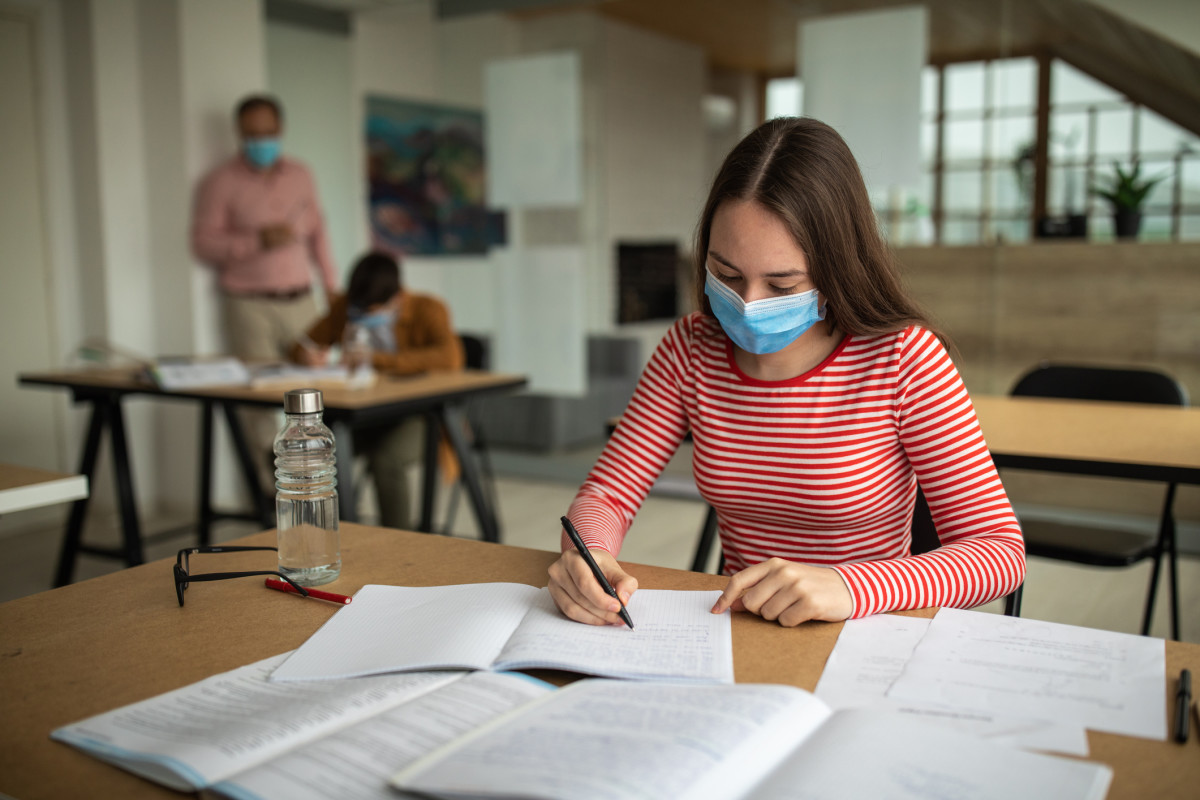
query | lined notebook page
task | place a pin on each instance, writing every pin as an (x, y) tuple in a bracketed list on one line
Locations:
[(394, 628), (674, 637)]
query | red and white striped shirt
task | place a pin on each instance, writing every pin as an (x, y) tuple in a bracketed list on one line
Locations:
[(821, 469)]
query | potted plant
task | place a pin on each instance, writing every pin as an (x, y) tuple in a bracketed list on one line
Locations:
[(1126, 191)]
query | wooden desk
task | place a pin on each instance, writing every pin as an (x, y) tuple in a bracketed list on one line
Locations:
[(22, 488), (1120, 440), (437, 395), (73, 652)]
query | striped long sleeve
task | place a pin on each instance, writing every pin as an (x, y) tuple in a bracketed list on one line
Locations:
[(821, 469)]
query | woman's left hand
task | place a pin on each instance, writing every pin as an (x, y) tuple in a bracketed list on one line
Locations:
[(788, 592)]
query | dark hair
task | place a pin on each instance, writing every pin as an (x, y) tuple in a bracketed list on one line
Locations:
[(254, 101), (375, 279), (803, 172)]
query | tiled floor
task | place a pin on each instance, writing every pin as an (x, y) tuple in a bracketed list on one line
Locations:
[(534, 491)]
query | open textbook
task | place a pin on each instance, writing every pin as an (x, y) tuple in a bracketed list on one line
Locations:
[(240, 735), (507, 626), (600, 739)]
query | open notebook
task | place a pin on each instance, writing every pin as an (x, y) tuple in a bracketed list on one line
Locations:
[(506, 626), (242, 736), (600, 739)]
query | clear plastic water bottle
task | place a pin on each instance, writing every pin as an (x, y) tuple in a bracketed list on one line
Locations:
[(306, 501), (356, 349)]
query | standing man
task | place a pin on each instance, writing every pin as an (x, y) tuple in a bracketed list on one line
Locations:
[(258, 223)]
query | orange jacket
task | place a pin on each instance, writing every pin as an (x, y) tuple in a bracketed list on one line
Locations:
[(425, 339)]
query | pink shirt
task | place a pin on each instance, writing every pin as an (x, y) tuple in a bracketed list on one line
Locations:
[(234, 201)]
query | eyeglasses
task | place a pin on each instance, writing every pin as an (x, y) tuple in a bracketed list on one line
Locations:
[(183, 577)]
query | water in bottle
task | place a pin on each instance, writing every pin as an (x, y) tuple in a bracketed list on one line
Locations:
[(306, 501)]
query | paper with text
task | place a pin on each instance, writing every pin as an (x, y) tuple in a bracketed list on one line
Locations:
[(601, 739), (862, 753), (510, 626), (1104, 681), (205, 732), (675, 635), (355, 763), (871, 653)]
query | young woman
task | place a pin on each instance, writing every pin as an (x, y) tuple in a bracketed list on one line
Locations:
[(818, 398)]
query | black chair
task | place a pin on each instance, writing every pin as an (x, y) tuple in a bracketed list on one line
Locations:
[(476, 356), (924, 539), (1103, 546)]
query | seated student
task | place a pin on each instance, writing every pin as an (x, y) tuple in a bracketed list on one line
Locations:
[(409, 333), (818, 396)]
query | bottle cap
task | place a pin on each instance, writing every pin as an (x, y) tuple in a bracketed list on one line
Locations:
[(303, 401)]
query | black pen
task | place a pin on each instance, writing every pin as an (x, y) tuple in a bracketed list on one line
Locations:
[(591, 562), (1183, 699)]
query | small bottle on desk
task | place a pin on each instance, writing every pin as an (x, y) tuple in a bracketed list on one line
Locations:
[(306, 501)]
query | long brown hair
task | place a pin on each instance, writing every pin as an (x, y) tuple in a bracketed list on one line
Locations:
[(802, 171)]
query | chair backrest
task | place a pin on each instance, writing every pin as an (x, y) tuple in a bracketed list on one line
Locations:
[(924, 534), (475, 351), (1101, 383)]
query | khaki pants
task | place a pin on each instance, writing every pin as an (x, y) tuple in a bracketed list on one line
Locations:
[(391, 452), (263, 330)]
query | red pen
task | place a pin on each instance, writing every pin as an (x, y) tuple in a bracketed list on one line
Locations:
[(284, 586)]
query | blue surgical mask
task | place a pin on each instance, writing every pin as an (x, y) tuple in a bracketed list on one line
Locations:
[(262, 151), (380, 326), (763, 326), (385, 318)]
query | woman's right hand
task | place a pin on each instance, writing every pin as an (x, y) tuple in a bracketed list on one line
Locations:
[(578, 594)]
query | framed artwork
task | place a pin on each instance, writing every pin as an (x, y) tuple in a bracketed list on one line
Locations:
[(426, 175)]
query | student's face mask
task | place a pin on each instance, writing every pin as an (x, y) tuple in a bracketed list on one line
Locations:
[(262, 151), (383, 318), (763, 326)]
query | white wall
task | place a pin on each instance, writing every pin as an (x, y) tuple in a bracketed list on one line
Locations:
[(29, 428), (310, 72)]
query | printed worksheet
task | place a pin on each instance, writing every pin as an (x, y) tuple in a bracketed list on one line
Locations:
[(871, 653), (994, 664)]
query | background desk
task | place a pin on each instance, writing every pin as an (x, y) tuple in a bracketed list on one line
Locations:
[(1117, 440), (438, 395), (106, 642), (22, 488)]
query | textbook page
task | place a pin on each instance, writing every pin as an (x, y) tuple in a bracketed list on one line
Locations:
[(355, 763), (674, 636), (1104, 681), (394, 628), (868, 754), (871, 653), (191, 737), (601, 739)]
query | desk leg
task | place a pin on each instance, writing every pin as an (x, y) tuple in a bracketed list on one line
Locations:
[(429, 475), (205, 513), (343, 437), (123, 470), (262, 504), (452, 422), (87, 466)]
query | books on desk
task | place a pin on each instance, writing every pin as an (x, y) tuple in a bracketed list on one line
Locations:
[(195, 373), (506, 626), (485, 734), (240, 735)]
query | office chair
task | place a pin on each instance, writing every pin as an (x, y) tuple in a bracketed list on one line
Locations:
[(475, 354), (924, 539), (1108, 547)]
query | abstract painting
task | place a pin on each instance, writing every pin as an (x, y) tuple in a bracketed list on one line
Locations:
[(426, 173)]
